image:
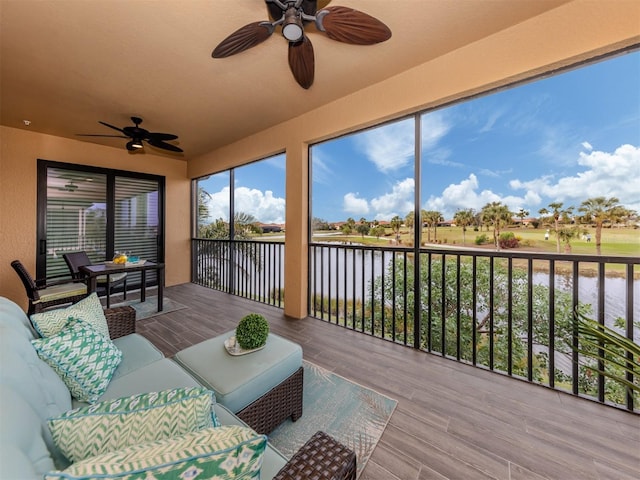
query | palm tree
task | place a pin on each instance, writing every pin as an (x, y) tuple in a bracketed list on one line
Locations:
[(395, 224), (432, 218), (611, 354), (600, 209), (498, 215), (464, 218), (521, 214), (556, 213)]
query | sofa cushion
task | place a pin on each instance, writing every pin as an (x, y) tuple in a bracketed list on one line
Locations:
[(160, 375), (12, 315), (114, 424), (84, 358), (223, 453), (88, 309), (137, 352), (21, 438)]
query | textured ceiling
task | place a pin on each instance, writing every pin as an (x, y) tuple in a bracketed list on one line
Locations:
[(66, 64)]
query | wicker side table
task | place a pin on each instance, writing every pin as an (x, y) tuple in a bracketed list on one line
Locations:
[(321, 458)]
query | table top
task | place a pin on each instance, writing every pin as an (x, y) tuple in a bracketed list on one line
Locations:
[(101, 268)]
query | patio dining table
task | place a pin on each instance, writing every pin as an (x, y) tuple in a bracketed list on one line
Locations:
[(92, 272)]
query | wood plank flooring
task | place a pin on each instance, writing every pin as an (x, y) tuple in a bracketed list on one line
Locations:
[(452, 421)]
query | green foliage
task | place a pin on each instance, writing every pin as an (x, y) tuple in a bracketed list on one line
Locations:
[(604, 351), (508, 240), (447, 314), (252, 331), (481, 239)]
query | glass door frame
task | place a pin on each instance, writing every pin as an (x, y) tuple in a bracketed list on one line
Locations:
[(111, 174)]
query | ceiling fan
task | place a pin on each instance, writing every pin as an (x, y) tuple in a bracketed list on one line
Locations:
[(138, 135), (69, 187), (338, 23)]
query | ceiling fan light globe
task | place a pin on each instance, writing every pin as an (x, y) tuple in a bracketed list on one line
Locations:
[(292, 32)]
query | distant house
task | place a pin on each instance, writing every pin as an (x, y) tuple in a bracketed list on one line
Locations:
[(523, 221), (271, 227)]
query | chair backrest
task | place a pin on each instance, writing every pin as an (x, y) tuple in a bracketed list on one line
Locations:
[(75, 260), (27, 280)]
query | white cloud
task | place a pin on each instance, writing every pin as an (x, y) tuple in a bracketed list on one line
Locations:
[(353, 205), (321, 172), (604, 174), (392, 146), (397, 202), (219, 205), (262, 205), (389, 147), (587, 146), (466, 194), (434, 127)]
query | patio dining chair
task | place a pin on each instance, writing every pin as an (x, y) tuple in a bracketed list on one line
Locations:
[(44, 295), (75, 260)]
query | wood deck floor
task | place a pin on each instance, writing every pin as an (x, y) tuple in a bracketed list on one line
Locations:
[(452, 421)]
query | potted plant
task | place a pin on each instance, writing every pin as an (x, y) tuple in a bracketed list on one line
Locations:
[(252, 331)]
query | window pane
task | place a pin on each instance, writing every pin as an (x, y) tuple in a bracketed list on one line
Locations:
[(76, 217), (212, 206), (259, 199), (137, 220), (365, 179)]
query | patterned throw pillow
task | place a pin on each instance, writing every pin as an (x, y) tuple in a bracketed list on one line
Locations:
[(83, 358), (228, 452), (115, 424), (88, 309)]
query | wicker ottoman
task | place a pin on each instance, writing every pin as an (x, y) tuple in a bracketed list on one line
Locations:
[(263, 388), (321, 458)]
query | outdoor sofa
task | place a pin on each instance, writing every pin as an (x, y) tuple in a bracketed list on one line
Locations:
[(31, 392)]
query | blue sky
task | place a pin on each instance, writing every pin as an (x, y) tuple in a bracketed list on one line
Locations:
[(564, 138)]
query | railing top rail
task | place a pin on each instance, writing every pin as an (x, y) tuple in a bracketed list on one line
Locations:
[(227, 240)]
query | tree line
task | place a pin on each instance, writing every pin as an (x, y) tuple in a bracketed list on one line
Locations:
[(566, 223)]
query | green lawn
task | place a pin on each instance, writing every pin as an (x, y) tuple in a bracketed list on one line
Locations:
[(615, 241)]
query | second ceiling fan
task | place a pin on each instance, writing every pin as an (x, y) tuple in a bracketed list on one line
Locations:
[(338, 23)]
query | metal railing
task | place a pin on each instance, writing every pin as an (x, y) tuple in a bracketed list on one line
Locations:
[(506, 311), (509, 312), (249, 269)]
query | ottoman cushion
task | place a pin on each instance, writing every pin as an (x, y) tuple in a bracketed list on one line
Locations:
[(240, 380)]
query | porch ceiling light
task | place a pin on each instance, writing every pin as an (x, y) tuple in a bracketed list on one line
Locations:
[(292, 26), (135, 143)]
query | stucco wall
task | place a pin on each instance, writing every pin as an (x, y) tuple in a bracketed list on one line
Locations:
[(19, 152)]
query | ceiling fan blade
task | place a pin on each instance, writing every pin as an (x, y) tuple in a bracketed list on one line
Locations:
[(161, 136), (99, 135), (302, 62), (351, 26), (164, 146), (243, 39), (111, 126)]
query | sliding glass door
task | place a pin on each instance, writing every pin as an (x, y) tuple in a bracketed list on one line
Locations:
[(99, 211)]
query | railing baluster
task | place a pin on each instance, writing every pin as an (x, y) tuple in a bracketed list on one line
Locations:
[(552, 323), (629, 331), (601, 300)]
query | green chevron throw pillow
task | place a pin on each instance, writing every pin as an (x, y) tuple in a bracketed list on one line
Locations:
[(224, 453), (88, 309), (115, 424), (83, 358)]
